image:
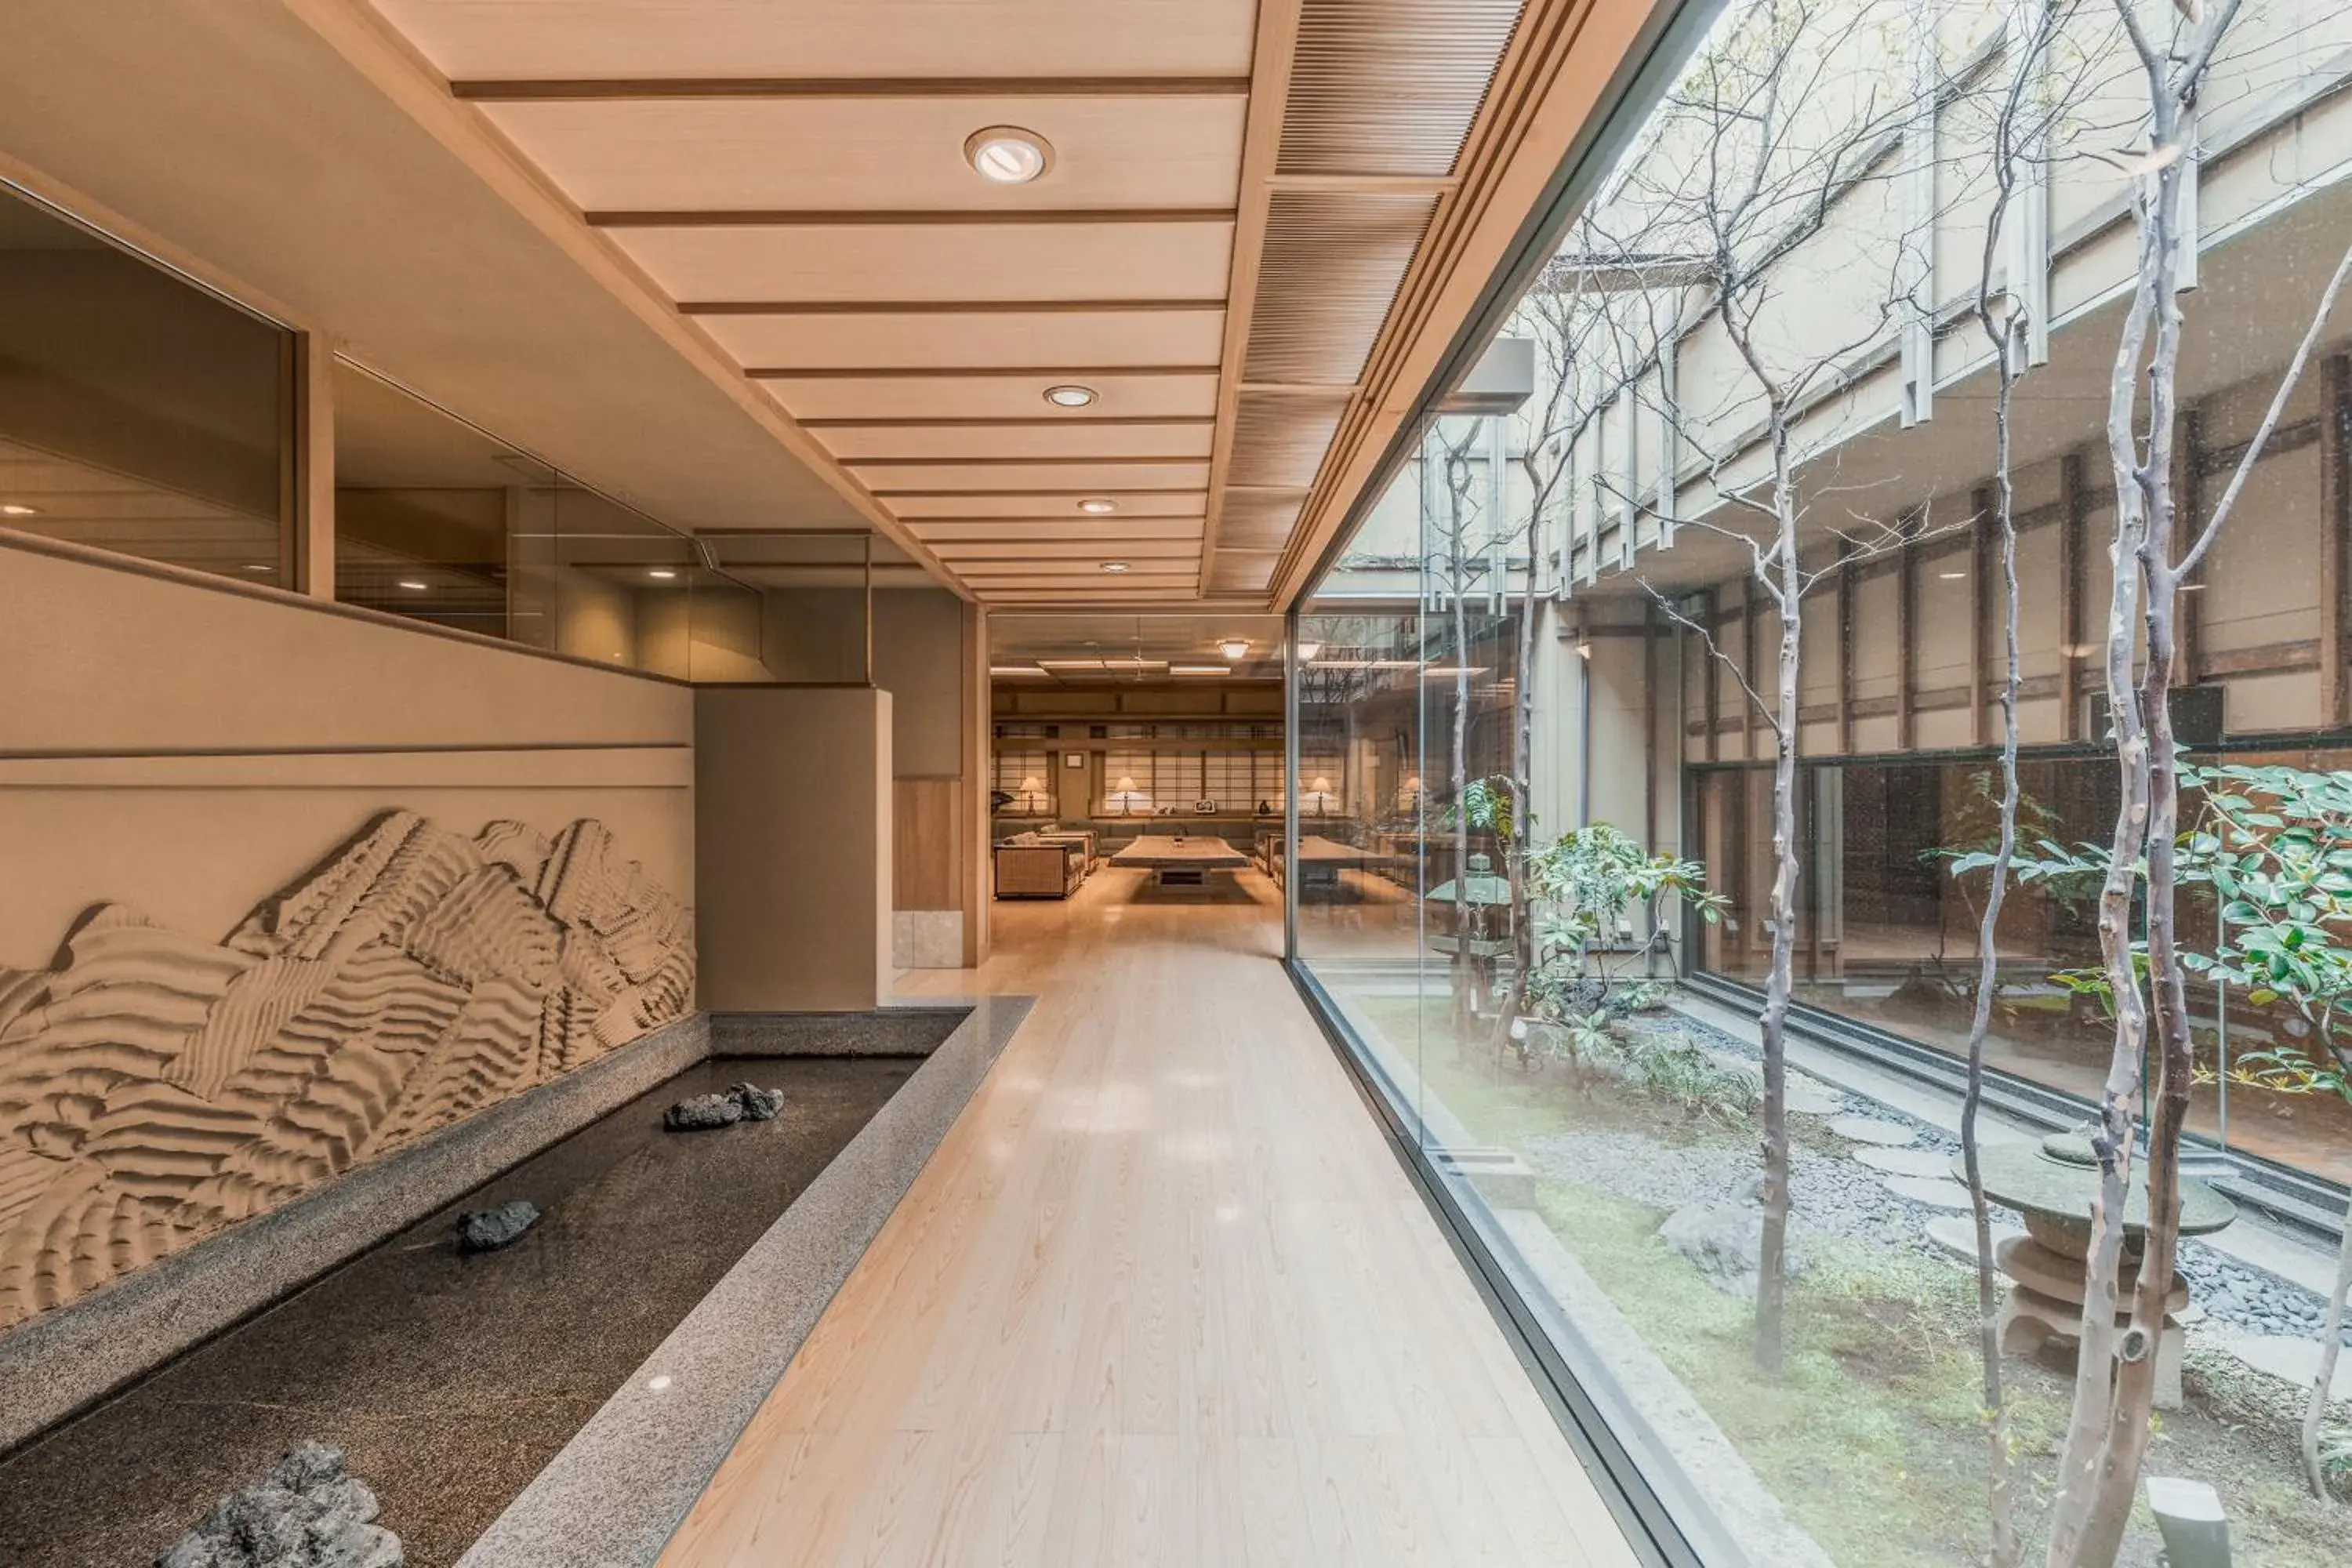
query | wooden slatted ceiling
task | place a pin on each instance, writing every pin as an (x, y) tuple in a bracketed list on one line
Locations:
[(790, 173)]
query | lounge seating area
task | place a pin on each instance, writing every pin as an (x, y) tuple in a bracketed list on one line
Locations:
[(1043, 863)]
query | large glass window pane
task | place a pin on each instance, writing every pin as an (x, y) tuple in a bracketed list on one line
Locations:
[(138, 412), (1563, 626), (429, 509)]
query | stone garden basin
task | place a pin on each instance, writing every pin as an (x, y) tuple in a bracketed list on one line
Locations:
[(2052, 1186)]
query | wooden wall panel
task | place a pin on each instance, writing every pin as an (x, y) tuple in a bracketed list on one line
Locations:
[(928, 837)]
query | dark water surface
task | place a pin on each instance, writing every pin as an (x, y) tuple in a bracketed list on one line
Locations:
[(450, 1380)]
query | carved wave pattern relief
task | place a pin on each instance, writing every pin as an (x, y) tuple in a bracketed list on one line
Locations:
[(155, 1087)]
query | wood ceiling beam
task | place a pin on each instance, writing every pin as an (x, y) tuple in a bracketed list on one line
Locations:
[(895, 217), (1275, 44), (1064, 549), (1334, 390), (1114, 491), (938, 307), (1023, 422), (1366, 184), (1045, 528), (977, 373), (1014, 463), (599, 89)]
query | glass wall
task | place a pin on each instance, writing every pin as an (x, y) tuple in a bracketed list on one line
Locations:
[(138, 412), (1535, 712), (440, 521), (1888, 936), (143, 416)]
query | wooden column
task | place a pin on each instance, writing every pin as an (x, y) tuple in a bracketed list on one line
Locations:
[(1651, 715), (1849, 580), (1981, 600), (2074, 518), (2334, 526), (1906, 635), (979, 726), (1712, 614), (2188, 514), (1748, 608)]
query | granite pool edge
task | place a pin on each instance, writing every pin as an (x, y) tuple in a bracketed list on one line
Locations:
[(68, 1359), (896, 1031), (618, 1491)]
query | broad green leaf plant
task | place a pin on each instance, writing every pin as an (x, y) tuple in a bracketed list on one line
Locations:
[(2275, 844)]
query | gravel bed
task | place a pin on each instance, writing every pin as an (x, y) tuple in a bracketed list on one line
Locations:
[(1835, 1196)]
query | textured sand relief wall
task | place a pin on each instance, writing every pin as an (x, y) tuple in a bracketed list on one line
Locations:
[(155, 1087)]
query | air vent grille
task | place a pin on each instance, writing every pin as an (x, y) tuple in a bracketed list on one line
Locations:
[(1332, 264), (1279, 437), (1390, 86), (1258, 521), (1243, 571)]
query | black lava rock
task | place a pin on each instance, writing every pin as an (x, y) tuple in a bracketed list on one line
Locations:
[(702, 1111), (306, 1512), (486, 1231), (759, 1104), (744, 1102)]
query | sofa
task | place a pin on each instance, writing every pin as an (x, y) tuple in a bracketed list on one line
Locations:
[(1042, 866)]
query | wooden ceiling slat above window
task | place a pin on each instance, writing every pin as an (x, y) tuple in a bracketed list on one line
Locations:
[(1330, 271), (1243, 571), (1390, 87), (1258, 522), (1280, 440)]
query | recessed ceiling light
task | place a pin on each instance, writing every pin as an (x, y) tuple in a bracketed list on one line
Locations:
[(19, 508), (412, 586), (1233, 647), (258, 566), (1099, 506), (1114, 566), (1198, 669), (1069, 396), (664, 572), (1015, 669), (1008, 154), (1951, 576)]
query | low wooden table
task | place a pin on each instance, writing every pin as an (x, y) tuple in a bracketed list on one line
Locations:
[(1320, 861), (1179, 862)]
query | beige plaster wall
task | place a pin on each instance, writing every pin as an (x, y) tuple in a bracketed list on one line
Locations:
[(794, 833), (190, 750)]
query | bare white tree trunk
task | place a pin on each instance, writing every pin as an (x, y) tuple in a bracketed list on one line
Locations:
[(2107, 1429), (2331, 1342), (2017, 136), (1772, 1280)]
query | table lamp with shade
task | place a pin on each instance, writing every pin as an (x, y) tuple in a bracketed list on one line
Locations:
[(1318, 795), (1032, 795), (1125, 798)]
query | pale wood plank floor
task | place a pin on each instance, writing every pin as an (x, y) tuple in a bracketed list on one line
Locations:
[(1162, 1296)]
